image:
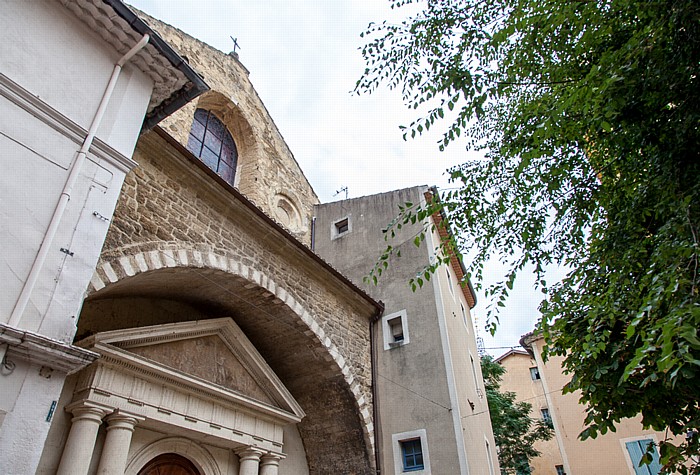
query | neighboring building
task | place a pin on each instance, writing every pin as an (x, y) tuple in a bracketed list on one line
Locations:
[(72, 104), (523, 377), (430, 392), (181, 322), (541, 385)]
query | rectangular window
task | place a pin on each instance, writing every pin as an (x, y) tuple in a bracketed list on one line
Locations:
[(395, 330), (412, 453), (476, 379), (546, 417), (534, 373), (449, 282), (342, 226), (636, 450), (560, 469), (492, 471), (464, 316)]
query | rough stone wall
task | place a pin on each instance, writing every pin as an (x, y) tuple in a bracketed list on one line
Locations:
[(169, 205), (267, 171)]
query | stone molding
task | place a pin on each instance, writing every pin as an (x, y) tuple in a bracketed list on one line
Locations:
[(40, 350), (189, 449), (32, 104), (114, 345)]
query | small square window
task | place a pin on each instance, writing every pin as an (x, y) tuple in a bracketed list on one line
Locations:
[(534, 373), (396, 330), (412, 453), (560, 470), (341, 227)]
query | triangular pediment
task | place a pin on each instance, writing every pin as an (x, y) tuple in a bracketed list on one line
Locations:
[(201, 354), (207, 357)]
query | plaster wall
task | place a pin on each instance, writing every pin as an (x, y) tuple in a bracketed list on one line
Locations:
[(412, 382), (53, 73), (517, 379), (568, 416), (69, 70), (474, 422)]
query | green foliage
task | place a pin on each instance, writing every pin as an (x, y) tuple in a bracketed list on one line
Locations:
[(515, 432), (589, 116)]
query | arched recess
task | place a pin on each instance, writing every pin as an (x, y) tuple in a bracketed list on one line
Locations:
[(195, 453), (286, 334), (239, 127)]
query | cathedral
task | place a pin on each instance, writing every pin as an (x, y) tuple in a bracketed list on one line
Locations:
[(178, 301)]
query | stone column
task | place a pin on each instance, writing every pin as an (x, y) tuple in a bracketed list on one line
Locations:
[(120, 427), (270, 464), (80, 444), (249, 458)]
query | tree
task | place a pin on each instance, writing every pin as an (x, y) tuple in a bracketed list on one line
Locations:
[(588, 112), (515, 432)]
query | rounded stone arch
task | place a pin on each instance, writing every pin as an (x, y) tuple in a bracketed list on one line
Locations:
[(110, 273), (195, 453), (287, 210)]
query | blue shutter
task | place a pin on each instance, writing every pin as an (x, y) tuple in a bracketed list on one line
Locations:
[(637, 449)]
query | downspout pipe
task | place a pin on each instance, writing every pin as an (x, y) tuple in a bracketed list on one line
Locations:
[(76, 167), (375, 391)]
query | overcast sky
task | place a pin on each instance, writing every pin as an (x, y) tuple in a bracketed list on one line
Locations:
[(304, 60)]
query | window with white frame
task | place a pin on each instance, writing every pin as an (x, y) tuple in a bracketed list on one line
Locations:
[(535, 373), (489, 456), (464, 316), (341, 227), (476, 378), (395, 330), (449, 281), (411, 452)]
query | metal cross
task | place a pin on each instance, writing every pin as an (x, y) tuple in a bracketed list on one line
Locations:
[(235, 43)]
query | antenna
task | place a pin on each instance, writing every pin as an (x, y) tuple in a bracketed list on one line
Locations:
[(345, 189)]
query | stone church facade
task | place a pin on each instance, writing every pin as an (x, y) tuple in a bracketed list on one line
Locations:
[(208, 336)]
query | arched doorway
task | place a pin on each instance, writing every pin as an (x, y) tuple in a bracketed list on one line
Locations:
[(170, 464)]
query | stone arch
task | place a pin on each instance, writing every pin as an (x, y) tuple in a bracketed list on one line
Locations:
[(187, 448), (143, 259)]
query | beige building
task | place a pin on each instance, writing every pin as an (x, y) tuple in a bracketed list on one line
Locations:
[(540, 384), (176, 317)]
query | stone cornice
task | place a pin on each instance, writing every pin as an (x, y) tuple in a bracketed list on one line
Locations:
[(38, 349)]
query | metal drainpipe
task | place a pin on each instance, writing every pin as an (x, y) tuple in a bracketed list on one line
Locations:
[(73, 174), (375, 400)]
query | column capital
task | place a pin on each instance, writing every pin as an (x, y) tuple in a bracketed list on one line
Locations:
[(249, 453), (122, 420), (271, 459), (83, 410)]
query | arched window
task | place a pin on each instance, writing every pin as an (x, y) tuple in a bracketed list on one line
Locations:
[(212, 143)]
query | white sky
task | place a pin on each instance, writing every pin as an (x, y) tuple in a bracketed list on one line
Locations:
[(304, 60)]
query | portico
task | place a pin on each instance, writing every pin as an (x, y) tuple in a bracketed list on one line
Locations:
[(135, 386)]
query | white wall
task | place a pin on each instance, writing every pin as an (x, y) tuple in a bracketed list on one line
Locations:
[(53, 72)]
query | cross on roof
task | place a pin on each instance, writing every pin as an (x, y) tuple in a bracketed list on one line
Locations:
[(235, 43)]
